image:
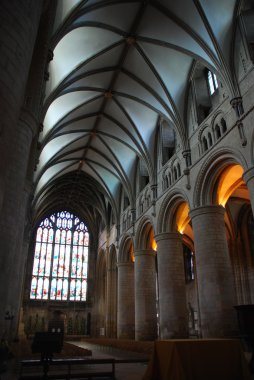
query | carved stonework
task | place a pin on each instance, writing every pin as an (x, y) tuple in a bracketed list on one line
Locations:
[(237, 104)]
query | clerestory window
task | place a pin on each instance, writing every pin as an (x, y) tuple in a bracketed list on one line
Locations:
[(60, 259), (212, 82)]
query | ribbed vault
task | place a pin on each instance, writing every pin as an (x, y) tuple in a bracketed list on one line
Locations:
[(118, 68)]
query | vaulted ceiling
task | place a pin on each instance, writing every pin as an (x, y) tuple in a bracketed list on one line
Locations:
[(118, 68)]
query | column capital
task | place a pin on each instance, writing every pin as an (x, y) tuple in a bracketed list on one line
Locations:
[(145, 252), (167, 236), (248, 174), (209, 209)]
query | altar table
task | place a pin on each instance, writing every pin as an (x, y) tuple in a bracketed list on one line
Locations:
[(198, 359)]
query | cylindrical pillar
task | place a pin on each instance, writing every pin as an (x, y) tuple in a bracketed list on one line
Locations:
[(19, 109), (172, 291), (19, 20), (111, 302), (248, 177), (15, 260), (216, 288), (125, 301), (145, 295)]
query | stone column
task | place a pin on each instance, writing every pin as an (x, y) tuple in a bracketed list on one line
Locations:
[(16, 203), (145, 295), (19, 20), (125, 301), (111, 302), (172, 291), (19, 109), (216, 290), (248, 177)]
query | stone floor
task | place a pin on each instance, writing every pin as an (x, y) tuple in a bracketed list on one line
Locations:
[(124, 371)]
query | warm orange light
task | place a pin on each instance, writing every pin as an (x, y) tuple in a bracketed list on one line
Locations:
[(229, 181), (182, 217), (154, 245), (132, 254)]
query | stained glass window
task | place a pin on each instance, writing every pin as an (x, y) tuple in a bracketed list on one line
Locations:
[(60, 259)]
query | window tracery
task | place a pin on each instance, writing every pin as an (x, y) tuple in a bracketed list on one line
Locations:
[(60, 259)]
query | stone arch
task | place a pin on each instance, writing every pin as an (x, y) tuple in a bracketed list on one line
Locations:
[(143, 233), (168, 208), (210, 172), (125, 249)]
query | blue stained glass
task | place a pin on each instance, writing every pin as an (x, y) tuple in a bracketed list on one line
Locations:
[(75, 238), (61, 261), (84, 270), (33, 288), (59, 222), (53, 218), (51, 235), (69, 224), (81, 238), (53, 289)]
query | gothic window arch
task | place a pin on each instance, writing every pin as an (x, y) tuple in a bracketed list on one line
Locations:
[(168, 141), (217, 132), (212, 82), (210, 140), (205, 145), (60, 259), (224, 125)]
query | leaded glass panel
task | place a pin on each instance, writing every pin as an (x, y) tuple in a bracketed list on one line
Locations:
[(60, 259)]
